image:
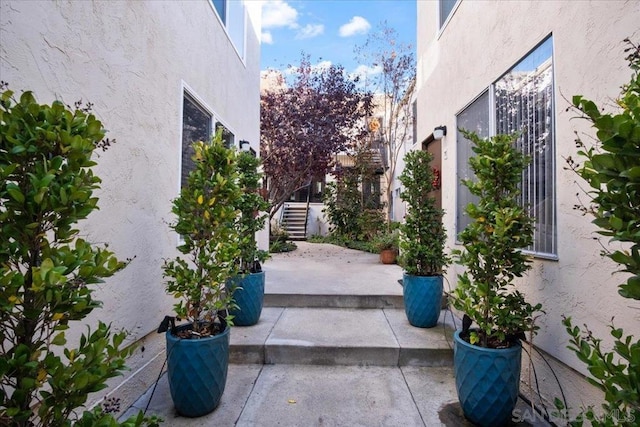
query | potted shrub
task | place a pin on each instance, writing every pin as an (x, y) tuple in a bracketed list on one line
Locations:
[(248, 285), (198, 351), (422, 253), (386, 243), (48, 274), (487, 358)]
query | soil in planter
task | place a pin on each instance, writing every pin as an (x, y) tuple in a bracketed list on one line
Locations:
[(207, 330), (494, 342)]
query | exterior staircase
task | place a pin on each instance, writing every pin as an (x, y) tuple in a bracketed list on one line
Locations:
[(294, 220)]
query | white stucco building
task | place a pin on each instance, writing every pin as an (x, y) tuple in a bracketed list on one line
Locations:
[(160, 74), (472, 56)]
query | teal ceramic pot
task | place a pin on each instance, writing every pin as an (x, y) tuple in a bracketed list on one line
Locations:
[(487, 381), (422, 299), (249, 297), (197, 371)]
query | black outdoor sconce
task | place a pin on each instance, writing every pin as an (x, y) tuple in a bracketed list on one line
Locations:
[(439, 132), (246, 146)]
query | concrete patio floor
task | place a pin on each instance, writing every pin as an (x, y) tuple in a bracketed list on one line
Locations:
[(332, 348)]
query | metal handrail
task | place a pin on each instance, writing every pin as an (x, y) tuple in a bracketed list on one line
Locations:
[(306, 212)]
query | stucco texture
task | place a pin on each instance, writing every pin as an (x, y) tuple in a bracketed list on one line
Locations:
[(480, 42), (133, 60)]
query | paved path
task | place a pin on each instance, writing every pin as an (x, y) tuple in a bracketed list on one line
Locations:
[(332, 348)]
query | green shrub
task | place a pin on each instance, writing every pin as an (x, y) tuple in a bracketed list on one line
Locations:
[(251, 219), (207, 223), (612, 170), (343, 206), (422, 251), (492, 244), (47, 273)]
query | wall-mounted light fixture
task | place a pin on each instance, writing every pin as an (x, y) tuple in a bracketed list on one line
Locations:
[(439, 132), (246, 146)]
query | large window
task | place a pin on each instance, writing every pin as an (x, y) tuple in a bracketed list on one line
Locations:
[(446, 7), (522, 102), (474, 117), (227, 136), (221, 8), (196, 126), (232, 15)]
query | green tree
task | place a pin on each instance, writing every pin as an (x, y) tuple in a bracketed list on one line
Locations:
[(395, 86)]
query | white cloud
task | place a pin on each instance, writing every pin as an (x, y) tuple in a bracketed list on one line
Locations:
[(365, 72), (357, 25), (278, 13), (322, 65), (310, 31), (266, 37)]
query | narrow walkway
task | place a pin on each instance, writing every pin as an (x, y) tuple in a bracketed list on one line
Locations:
[(332, 348)]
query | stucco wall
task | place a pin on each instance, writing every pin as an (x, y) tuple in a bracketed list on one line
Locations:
[(132, 60), (481, 41)]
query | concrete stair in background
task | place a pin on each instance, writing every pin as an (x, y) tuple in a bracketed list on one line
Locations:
[(294, 220)]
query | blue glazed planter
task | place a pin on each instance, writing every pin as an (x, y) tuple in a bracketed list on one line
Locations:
[(422, 299), (487, 381), (249, 297), (197, 372)]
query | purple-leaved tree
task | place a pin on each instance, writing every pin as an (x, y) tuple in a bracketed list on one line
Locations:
[(303, 124)]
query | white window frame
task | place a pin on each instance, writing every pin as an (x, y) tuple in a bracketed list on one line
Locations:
[(442, 25), (227, 21)]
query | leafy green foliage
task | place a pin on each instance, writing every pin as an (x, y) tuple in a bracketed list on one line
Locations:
[(612, 169), (616, 372), (343, 206), (387, 240), (252, 217), (492, 244), (206, 221), (422, 248), (46, 271), (354, 215)]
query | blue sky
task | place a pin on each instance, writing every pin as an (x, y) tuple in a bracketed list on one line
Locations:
[(328, 30)]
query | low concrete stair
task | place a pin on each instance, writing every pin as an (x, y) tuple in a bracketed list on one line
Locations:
[(294, 220), (332, 329)]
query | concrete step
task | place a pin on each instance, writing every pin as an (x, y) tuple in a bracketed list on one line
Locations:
[(333, 300), (340, 336), (294, 225)]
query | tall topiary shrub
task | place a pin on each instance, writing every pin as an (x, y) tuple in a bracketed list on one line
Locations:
[(206, 221), (48, 273), (252, 217), (492, 244), (422, 251), (612, 169)]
